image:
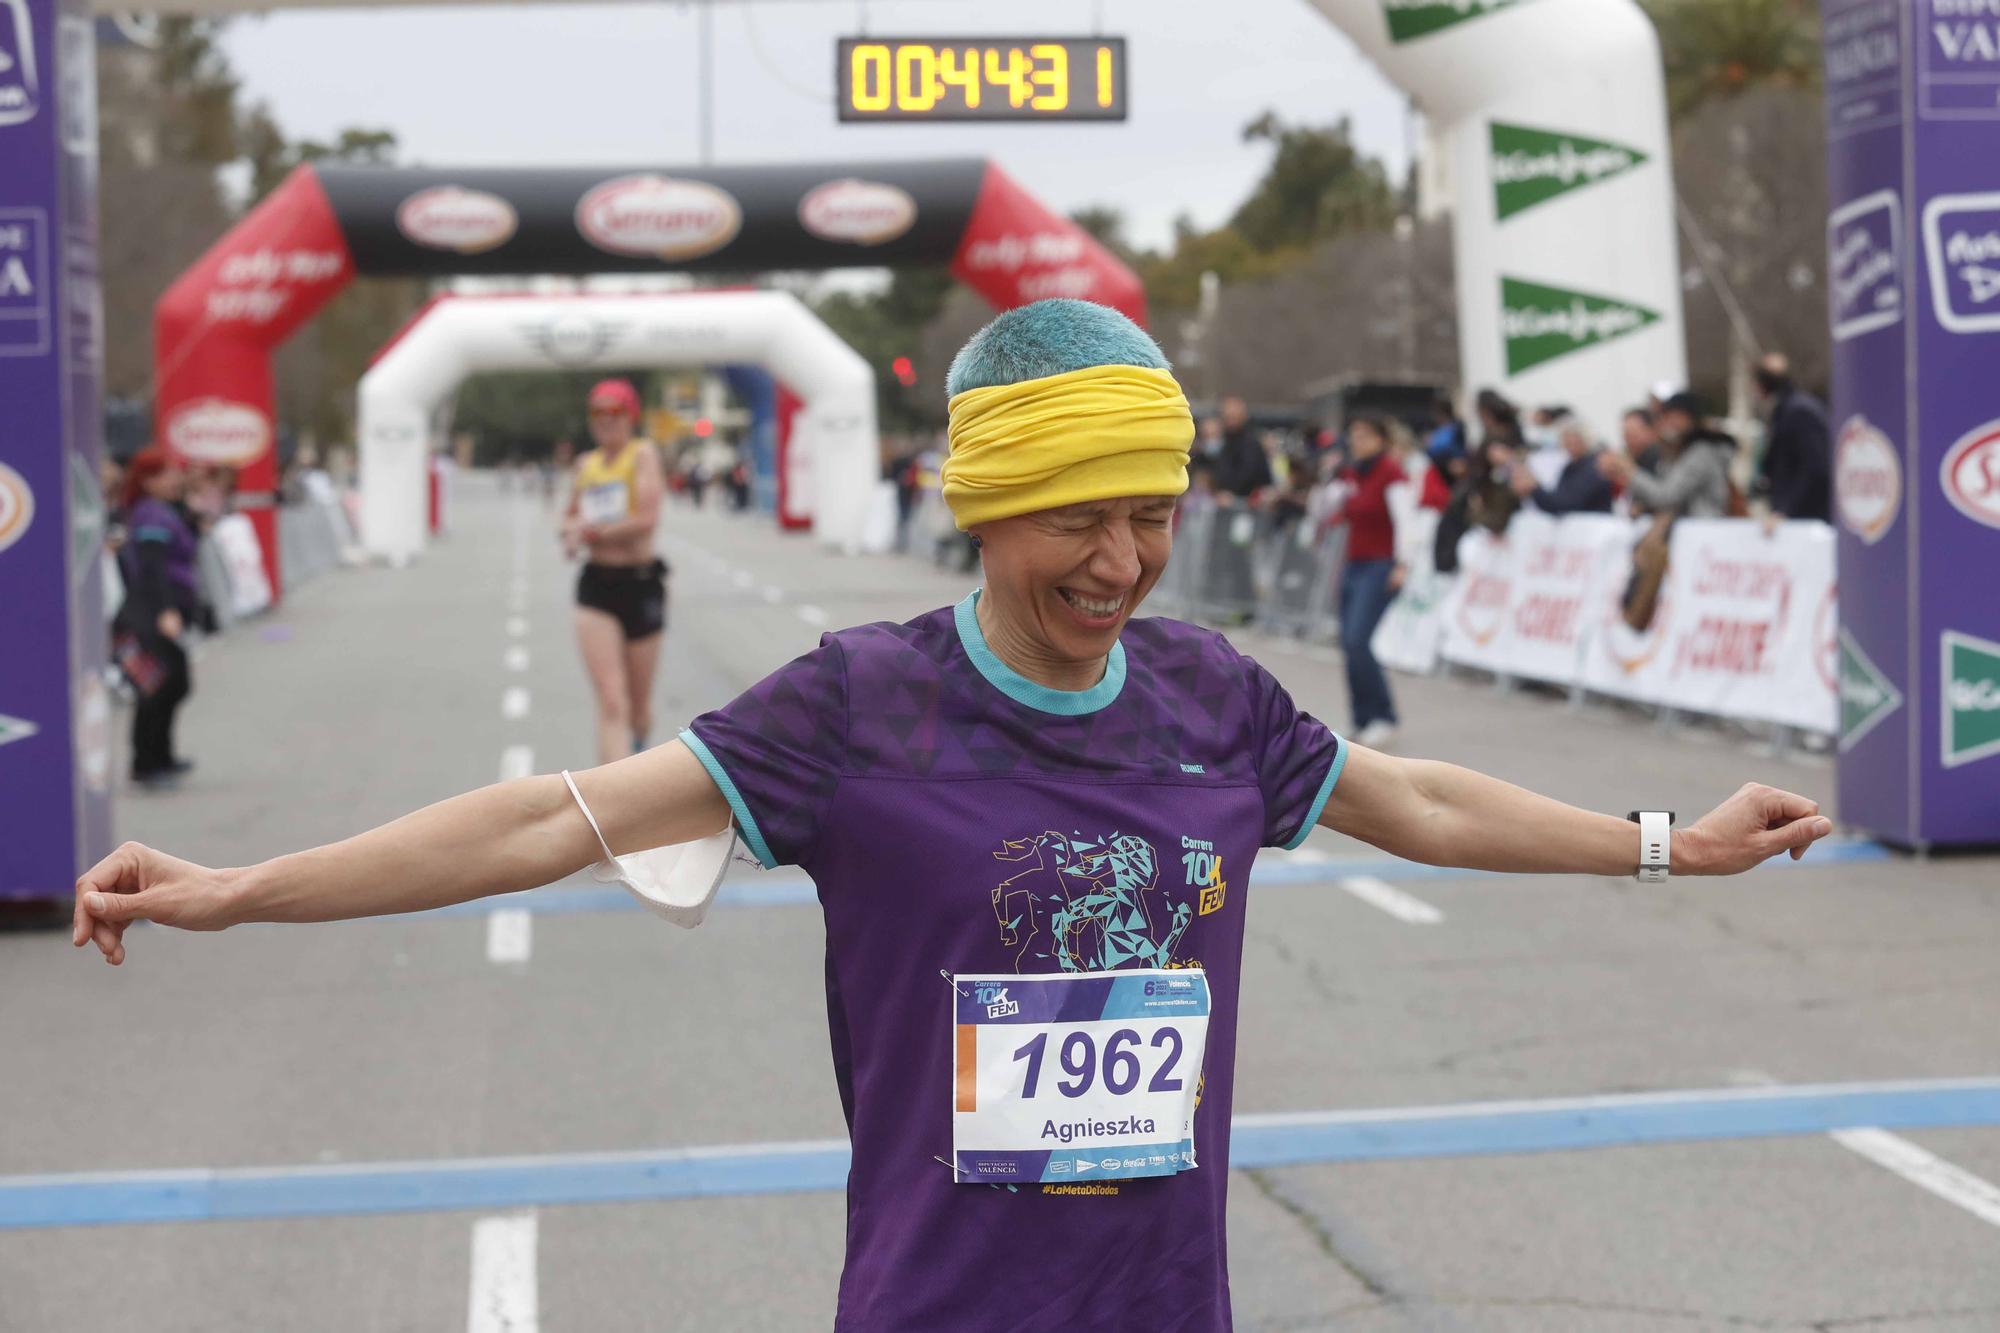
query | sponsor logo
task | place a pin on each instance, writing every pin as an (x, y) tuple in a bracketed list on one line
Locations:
[(1867, 695), (216, 430), (659, 217), (1108, 1163), (573, 340), (449, 217), (1867, 480), (1410, 19), (257, 286), (1972, 41), (1060, 1167), (1970, 726), (15, 729), (1962, 251), (1539, 323), (1970, 475), (1534, 166), (1082, 1165), (1864, 245), (1191, 768), (17, 506), (858, 212), (1482, 611), (1002, 1007), (20, 85), (25, 315)]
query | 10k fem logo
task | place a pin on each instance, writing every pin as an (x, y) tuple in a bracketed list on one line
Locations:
[(1962, 251), (1864, 245)]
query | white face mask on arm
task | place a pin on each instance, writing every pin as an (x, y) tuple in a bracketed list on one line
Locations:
[(676, 882)]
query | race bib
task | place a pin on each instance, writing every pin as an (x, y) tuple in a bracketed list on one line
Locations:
[(1076, 1076), (603, 503)]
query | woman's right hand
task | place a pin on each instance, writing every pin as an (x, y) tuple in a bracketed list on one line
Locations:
[(170, 623), (136, 883)]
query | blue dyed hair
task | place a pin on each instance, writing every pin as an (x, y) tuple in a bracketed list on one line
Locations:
[(1050, 337)]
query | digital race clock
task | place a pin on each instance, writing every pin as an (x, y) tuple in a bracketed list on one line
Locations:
[(981, 78)]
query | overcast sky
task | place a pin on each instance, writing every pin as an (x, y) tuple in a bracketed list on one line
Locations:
[(579, 84)]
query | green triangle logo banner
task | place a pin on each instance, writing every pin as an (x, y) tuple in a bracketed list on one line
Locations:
[(1410, 19), (1867, 695), (1534, 166), (1970, 727), (1540, 323), (15, 729)]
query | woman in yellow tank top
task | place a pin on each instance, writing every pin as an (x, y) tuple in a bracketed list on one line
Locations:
[(621, 594)]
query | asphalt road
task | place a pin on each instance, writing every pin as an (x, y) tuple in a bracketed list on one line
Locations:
[(290, 1053)]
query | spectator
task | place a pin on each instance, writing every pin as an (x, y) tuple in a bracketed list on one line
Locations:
[(1240, 467), (1796, 473), (1446, 442), (162, 599), (1482, 495), (1642, 440), (1371, 577), (1581, 488), (1695, 466)]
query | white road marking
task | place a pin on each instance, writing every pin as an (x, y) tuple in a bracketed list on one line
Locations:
[(517, 626), (510, 935), (517, 761), (743, 578), (812, 615), (503, 1298), (1925, 1170), (1921, 1167), (1394, 901), (773, 595), (1308, 855), (516, 658), (514, 703)]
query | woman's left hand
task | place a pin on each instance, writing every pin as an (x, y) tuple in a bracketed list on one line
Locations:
[(1400, 572), (1749, 828)]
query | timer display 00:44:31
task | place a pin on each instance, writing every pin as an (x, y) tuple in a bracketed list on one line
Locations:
[(910, 79)]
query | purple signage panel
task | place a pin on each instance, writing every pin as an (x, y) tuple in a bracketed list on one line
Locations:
[(1913, 242), (55, 715)]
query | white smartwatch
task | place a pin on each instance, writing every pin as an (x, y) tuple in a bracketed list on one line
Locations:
[(1655, 844)]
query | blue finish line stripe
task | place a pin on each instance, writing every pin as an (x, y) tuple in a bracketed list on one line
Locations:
[(1562, 1124), (795, 890)]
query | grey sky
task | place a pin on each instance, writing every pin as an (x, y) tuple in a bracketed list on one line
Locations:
[(615, 84)]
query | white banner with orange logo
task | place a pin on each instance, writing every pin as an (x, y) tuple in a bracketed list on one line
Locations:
[(1747, 623)]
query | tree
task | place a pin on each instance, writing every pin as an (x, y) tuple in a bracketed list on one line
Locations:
[(1719, 48), (1318, 185)]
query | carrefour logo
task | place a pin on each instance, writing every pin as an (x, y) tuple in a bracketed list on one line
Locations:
[(1532, 166)]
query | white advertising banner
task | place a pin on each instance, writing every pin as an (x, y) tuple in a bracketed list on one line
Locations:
[(1525, 602), (243, 557)]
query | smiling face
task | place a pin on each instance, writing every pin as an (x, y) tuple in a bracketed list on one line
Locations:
[(1063, 582)]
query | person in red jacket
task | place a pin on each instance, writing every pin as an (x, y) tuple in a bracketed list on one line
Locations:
[(1371, 578)]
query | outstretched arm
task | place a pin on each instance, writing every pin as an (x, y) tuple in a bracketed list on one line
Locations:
[(1444, 815), (499, 839)]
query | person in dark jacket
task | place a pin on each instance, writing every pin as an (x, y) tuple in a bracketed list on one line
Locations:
[(162, 598), (1581, 488), (1797, 472), (1240, 468)]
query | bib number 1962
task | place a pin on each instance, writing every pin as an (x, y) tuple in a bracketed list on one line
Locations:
[(1076, 1076)]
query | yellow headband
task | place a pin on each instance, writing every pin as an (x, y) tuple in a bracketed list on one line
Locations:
[(1092, 434)]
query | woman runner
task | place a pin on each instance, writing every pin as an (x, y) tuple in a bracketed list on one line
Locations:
[(1047, 800), (621, 595)]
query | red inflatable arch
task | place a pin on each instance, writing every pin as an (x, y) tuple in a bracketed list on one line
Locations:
[(216, 327)]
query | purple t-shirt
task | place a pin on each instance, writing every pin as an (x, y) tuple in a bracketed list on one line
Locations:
[(913, 774)]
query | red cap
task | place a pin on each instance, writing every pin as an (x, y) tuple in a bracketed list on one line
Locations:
[(617, 394)]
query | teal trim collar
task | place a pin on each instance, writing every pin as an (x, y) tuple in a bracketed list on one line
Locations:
[(746, 821), (1064, 703), (1325, 790)]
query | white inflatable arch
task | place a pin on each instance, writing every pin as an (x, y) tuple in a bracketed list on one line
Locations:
[(832, 465), (1553, 116)]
